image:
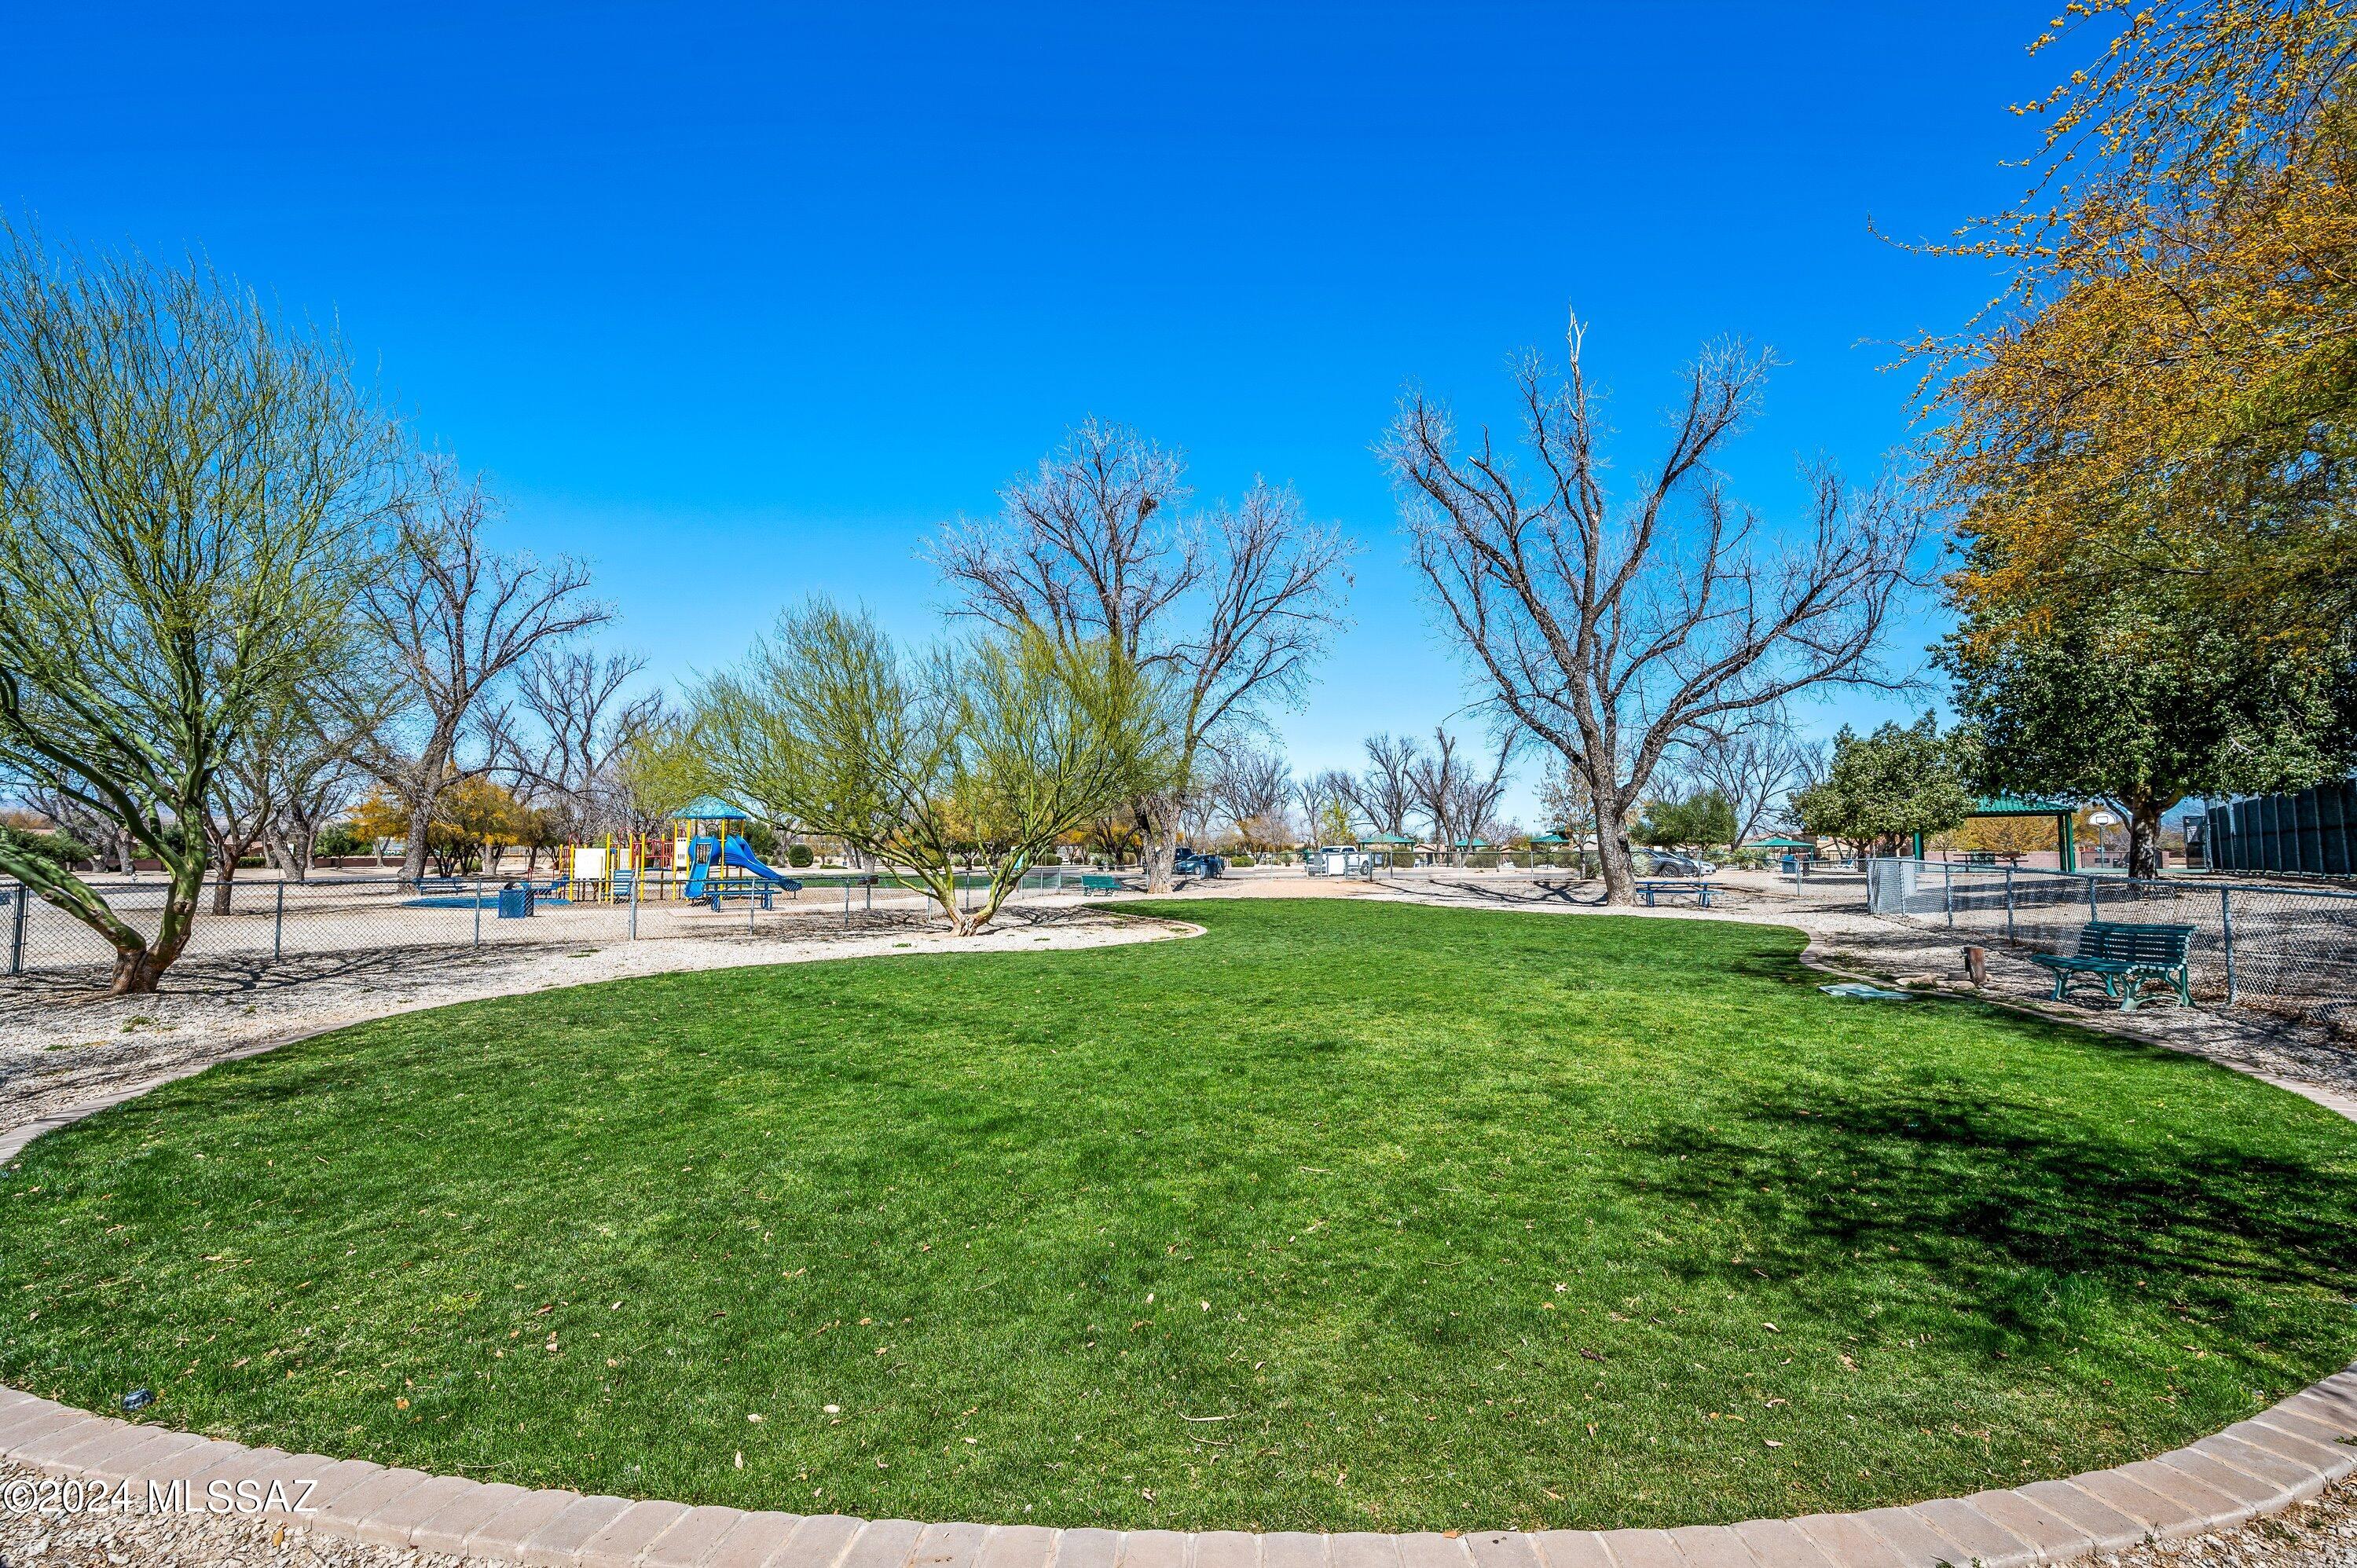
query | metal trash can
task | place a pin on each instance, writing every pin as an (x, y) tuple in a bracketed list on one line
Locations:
[(515, 903)]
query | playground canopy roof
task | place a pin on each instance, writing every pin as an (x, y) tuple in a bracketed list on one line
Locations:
[(710, 808), (1387, 837), (1782, 844), (1472, 844), (1549, 838)]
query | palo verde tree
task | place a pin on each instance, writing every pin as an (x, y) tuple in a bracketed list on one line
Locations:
[(998, 747), (191, 492), (1228, 609), (1613, 630)]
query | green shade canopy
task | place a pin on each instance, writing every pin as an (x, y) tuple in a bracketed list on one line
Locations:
[(1783, 844), (2008, 805), (1472, 844), (710, 808), (1387, 837), (1549, 838)]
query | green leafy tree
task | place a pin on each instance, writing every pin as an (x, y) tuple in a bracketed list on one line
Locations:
[(2141, 709), (995, 749), (1701, 818), (1883, 789), (189, 498), (54, 845)]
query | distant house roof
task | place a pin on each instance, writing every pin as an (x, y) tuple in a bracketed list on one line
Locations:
[(710, 808)]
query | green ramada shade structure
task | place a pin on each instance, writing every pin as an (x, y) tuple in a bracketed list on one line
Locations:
[(1782, 844), (1548, 839), (2063, 811)]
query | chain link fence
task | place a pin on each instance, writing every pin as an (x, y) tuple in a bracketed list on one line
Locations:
[(2281, 949), (264, 920)]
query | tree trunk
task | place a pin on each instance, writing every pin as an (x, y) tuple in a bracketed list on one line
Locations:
[(413, 849), (137, 973), (228, 856), (1157, 843), (138, 968), (2144, 838), (1614, 859)]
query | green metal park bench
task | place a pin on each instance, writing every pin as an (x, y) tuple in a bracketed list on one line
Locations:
[(1096, 882), (2120, 955)]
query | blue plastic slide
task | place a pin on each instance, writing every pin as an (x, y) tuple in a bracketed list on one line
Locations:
[(733, 853)]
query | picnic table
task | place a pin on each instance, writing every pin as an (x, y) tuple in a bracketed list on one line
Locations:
[(1097, 882), (1667, 887), (2120, 955)]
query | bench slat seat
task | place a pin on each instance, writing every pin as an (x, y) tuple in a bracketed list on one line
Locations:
[(2120, 955)]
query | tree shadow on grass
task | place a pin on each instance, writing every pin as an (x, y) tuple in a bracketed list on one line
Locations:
[(2001, 1200)]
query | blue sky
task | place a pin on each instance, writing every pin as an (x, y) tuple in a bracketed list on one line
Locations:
[(740, 302)]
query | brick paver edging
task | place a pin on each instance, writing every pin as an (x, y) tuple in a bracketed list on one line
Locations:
[(2283, 1454), (2287, 1454)]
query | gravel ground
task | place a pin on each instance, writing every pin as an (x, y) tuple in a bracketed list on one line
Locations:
[(34, 1538), (2319, 1534)]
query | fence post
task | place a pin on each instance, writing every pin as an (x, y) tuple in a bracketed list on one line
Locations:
[(2009, 902), (2226, 927), (2093, 912), (637, 877), (1948, 891), (21, 906), (478, 908), (278, 923)]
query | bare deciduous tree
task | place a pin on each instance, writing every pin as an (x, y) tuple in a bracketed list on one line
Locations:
[(456, 618), (1227, 609), (1252, 787), (584, 723), (1324, 800), (1457, 797), (1753, 766), (1613, 631), (1385, 793)]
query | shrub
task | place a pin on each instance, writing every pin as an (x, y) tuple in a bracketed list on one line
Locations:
[(798, 855)]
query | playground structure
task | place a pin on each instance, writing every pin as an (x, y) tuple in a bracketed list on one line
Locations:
[(718, 862)]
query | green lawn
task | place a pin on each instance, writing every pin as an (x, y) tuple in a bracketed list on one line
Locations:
[(1425, 1217)]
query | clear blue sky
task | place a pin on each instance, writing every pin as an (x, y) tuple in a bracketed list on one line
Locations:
[(739, 303)]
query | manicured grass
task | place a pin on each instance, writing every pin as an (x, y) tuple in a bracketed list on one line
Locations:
[(1425, 1218)]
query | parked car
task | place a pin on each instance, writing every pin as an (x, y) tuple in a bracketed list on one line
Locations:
[(1668, 865)]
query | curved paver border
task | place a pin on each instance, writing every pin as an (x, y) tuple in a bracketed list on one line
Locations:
[(2285, 1455)]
